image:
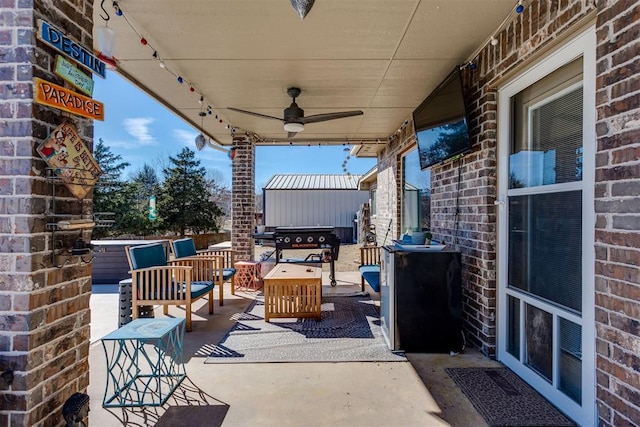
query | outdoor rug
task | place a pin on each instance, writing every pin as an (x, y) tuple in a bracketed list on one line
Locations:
[(504, 399), (349, 331)]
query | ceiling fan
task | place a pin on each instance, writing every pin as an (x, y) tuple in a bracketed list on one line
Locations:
[(294, 119)]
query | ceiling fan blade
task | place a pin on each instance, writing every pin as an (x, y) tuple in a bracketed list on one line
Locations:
[(291, 134), (264, 116), (329, 116)]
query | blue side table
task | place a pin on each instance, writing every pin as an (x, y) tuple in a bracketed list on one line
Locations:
[(144, 362)]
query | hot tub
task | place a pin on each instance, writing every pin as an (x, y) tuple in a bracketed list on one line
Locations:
[(110, 263)]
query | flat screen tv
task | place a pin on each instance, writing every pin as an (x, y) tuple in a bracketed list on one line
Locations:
[(441, 123)]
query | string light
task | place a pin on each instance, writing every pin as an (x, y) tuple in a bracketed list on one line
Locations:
[(493, 41), (346, 150), (179, 78)]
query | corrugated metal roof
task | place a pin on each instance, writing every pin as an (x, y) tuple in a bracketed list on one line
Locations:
[(313, 182)]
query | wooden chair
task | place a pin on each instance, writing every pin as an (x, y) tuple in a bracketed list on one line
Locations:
[(156, 281), (370, 266), (185, 248)]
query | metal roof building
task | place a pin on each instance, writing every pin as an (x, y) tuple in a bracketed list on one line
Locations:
[(313, 182), (304, 200)]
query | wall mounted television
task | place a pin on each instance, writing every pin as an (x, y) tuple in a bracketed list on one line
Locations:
[(441, 124)]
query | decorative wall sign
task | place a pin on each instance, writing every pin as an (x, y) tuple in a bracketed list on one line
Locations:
[(47, 93), (70, 160), (83, 56), (73, 75)]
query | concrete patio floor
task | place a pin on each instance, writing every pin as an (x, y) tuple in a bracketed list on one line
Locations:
[(417, 393)]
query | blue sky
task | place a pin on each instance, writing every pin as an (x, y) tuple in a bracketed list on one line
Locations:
[(142, 131)]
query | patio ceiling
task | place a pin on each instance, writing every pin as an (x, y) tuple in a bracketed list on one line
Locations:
[(379, 56)]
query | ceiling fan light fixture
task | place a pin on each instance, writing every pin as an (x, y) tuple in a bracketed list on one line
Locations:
[(293, 127)]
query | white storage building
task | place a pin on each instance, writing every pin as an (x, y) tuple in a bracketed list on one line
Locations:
[(310, 200)]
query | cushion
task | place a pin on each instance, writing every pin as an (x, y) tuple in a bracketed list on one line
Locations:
[(371, 274), (198, 289), (152, 255), (228, 272), (184, 247)]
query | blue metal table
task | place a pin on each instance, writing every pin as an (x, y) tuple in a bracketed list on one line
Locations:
[(144, 362)]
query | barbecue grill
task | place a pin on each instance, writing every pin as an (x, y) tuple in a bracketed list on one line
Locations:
[(310, 238)]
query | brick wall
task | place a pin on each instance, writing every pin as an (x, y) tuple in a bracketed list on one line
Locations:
[(617, 205), (243, 202), (388, 185), (44, 310), (536, 28), (472, 180)]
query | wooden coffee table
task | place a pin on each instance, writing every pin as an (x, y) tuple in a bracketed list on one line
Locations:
[(293, 290)]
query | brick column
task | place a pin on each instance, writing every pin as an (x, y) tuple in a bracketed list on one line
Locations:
[(243, 199), (617, 206), (44, 310)]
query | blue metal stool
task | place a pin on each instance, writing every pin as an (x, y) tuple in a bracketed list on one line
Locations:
[(144, 362)]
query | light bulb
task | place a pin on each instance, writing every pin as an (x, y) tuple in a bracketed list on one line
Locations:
[(293, 127)]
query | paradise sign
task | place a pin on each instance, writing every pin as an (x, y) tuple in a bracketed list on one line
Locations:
[(52, 95), (70, 160)]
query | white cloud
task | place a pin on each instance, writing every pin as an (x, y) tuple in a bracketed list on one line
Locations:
[(185, 137), (138, 127)]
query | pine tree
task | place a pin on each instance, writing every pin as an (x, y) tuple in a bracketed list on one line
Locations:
[(144, 184), (184, 203), (108, 194)]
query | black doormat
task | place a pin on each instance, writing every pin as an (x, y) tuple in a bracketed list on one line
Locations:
[(504, 399)]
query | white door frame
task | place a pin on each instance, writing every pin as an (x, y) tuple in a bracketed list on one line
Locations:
[(583, 45)]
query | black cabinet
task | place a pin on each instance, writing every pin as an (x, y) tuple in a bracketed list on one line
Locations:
[(421, 300)]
